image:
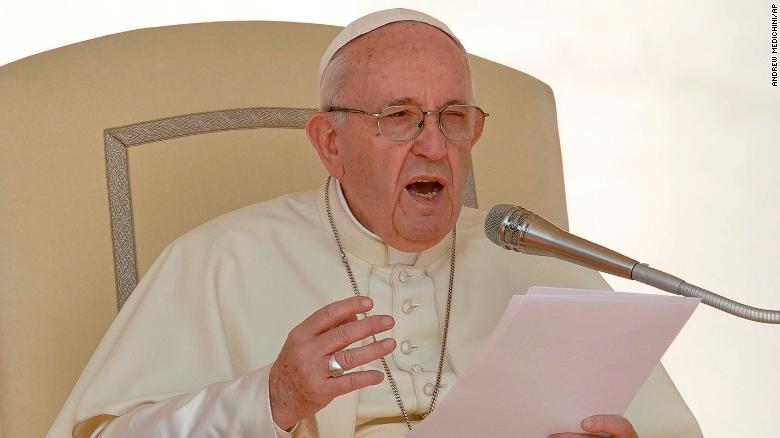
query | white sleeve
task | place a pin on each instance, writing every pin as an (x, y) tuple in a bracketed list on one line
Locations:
[(239, 407)]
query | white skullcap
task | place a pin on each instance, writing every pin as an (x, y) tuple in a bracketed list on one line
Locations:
[(367, 23)]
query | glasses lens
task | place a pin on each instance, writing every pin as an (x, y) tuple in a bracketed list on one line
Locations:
[(459, 122), (400, 123)]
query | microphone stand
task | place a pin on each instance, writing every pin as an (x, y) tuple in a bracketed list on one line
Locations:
[(521, 230)]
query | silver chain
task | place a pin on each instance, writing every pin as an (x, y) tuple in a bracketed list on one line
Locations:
[(355, 289)]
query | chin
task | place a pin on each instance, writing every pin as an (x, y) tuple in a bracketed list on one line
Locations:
[(421, 235)]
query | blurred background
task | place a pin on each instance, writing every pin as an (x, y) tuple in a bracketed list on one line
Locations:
[(669, 130)]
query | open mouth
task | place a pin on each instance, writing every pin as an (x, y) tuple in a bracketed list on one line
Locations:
[(424, 189)]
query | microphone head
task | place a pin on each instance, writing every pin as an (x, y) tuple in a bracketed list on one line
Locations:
[(517, 229), (495, 219)]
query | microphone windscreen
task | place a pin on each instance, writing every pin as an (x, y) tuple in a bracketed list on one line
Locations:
[(493, 221)]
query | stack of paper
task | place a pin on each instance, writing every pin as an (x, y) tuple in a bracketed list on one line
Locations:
[(556, 357)]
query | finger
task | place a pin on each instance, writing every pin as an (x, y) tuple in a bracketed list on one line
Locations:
[(344, 335), (354, 357), (353, 381), (334, 314), (614, 425), (571, 435)]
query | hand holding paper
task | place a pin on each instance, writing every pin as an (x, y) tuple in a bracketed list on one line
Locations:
[(558, 356)]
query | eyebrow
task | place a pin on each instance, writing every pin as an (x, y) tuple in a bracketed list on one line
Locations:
[(400, 101), (409, 100)]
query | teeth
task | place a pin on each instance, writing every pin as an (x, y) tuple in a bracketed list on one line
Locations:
[(428, 195)]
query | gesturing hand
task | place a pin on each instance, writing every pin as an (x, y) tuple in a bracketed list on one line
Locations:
[(613, 425), (299, 384)]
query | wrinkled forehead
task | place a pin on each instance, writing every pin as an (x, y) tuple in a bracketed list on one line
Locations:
[(402, 60)]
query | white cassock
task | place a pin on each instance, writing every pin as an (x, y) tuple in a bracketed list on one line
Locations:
[(190, 352)]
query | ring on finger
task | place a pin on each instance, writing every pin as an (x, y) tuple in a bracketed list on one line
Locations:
[(334, 367)]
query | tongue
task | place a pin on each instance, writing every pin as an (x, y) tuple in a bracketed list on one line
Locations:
[(424, 187)]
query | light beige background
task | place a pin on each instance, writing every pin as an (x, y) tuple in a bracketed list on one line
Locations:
[(669, 134)]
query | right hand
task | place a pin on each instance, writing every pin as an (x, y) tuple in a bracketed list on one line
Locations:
[(299, 385)]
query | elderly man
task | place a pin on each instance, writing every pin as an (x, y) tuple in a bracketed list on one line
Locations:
[(380, 273)]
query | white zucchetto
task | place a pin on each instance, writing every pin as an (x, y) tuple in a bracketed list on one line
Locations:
[(375, 20)]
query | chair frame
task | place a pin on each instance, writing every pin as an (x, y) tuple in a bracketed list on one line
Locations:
[(119, 139)]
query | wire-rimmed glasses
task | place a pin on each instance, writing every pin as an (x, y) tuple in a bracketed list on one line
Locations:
[(405, 122)]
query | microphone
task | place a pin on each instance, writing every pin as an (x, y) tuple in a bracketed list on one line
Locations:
[(515, 228)]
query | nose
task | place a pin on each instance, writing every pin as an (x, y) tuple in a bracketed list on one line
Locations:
[(430, 142)]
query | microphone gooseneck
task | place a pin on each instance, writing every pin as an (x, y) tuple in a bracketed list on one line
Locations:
[(518, 229)]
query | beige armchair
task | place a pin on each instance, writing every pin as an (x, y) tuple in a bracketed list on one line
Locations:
[(113, 147)]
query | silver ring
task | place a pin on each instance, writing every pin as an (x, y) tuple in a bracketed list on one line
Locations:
[(334, 367)]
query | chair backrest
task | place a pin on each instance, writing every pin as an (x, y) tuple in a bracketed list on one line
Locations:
[(113, 147)]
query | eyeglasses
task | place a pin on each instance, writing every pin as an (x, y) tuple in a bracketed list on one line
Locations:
[(405, 122)]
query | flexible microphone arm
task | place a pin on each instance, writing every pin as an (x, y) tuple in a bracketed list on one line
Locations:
[(518, 229)]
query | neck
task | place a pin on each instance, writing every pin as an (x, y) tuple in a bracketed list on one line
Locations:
[(394, 256)]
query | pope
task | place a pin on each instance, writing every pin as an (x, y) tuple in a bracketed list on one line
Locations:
[(347, 311)]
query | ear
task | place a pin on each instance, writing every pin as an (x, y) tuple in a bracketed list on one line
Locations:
[(322, 135)]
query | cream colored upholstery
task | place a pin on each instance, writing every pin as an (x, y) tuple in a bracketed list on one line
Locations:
[(58, 291)]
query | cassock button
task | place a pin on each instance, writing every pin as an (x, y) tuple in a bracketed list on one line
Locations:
[(409, 307), (407, 347), (417, 368), (403, 277), (428, 389)]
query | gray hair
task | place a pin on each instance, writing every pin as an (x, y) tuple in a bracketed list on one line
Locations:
[(334, 78)]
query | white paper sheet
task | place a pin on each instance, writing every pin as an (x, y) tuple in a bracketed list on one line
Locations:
[(556, 357)]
